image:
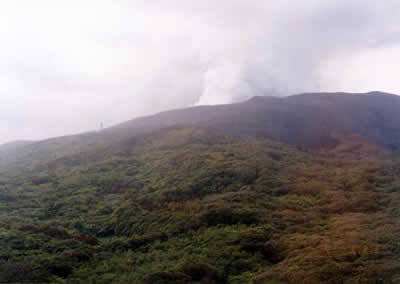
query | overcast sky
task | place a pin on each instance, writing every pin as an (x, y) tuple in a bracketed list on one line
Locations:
[(66, 66)]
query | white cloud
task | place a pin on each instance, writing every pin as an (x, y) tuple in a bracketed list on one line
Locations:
[(66, 66)]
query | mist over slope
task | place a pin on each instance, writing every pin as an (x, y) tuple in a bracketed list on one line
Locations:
[(311, 120)]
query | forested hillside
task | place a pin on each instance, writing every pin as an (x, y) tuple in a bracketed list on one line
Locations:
[(190, 205), (199, 204)]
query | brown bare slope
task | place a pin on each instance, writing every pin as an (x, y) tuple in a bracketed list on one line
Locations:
[(310, 120)]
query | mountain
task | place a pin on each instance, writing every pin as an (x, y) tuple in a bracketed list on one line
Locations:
[(309, 120), (312, 120), (302, 189)]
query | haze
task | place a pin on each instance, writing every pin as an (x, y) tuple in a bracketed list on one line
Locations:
[(69, 66)]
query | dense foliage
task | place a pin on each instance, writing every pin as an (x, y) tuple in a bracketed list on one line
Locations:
[(189, 205)]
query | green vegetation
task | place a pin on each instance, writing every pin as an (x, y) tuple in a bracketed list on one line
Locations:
[(189, 205)]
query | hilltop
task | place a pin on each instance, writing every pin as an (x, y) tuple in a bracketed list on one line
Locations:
[(311, 120)]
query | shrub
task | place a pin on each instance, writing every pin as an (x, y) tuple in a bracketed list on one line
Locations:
[(202, 272), (167, 277), (229, 216), (20, 273)]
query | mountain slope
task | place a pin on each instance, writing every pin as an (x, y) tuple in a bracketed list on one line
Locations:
[(307, 120), (212, 194), (192, 205), (310, 120), (14, 145)]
